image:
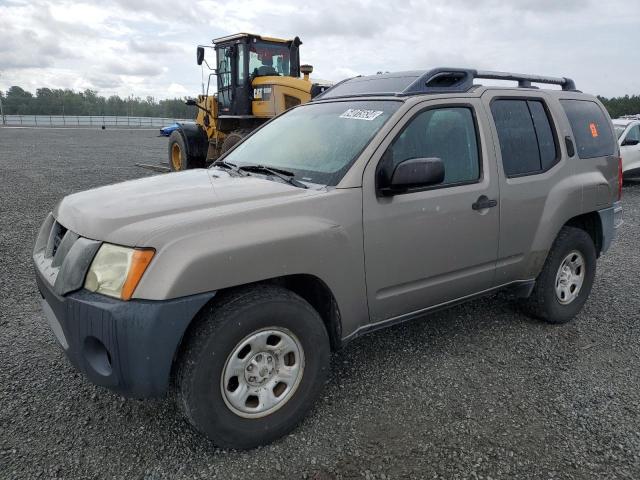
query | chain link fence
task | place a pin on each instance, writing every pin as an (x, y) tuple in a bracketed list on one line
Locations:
[(89, 121)]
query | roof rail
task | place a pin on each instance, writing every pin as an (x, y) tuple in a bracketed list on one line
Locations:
[(444, 80)]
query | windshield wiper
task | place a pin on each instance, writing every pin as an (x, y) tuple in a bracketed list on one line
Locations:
[(276, 172), (229, 166)]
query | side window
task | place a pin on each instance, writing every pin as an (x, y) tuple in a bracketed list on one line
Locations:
[(224, 70), (590, 127), (447, 133), (241, 70), (634, 133), (527, 143)]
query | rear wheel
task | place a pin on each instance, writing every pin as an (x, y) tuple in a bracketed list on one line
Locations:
[(179, 159), (252, 367), (566, 279), (231, 139)]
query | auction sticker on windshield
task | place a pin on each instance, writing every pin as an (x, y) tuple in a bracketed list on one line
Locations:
[(358, 114)]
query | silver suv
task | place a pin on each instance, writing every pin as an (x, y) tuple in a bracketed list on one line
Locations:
[(628, 132), (388, 197)]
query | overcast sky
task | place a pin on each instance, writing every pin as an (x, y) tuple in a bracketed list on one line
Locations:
[(147, 47)]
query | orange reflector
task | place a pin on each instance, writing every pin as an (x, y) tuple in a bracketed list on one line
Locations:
[(139, 263)]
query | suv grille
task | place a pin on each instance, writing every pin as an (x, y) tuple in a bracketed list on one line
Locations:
[(62, 257), (58, 234)]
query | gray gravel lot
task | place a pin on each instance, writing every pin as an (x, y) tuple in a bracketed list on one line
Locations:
[(478, 391)]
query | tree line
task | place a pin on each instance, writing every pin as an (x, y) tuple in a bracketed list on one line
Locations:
[(47, 101)]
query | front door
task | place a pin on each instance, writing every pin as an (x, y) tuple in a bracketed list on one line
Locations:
[(431, 246), (630, 152)]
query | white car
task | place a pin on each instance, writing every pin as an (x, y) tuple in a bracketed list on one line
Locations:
[(628, 132)]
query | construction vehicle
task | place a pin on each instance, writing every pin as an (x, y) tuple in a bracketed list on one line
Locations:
[(257, 78)]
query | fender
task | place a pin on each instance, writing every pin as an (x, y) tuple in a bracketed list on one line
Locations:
[(195, 139), (238, 244)]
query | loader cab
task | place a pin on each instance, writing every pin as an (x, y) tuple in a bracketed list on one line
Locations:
[(241, 58)]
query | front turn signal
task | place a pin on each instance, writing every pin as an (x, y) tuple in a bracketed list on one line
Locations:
[(139, 262)]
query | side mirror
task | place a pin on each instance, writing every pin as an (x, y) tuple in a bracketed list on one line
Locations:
[(630, 141), (200, 55), (415, 173), (191, 102)]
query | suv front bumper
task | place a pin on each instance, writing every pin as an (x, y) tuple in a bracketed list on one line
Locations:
[(127, 347)]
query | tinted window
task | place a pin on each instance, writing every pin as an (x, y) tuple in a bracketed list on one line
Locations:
[(446, 133), (546, 141), (590, 128), (517, 136), (527, 143)]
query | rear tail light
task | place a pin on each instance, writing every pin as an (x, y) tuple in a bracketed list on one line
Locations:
[(620, 179)]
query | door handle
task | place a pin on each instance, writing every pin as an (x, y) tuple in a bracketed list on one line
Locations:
[(483, 202)]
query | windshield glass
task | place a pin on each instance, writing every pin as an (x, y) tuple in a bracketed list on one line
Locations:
[(269, 59), (317, 142), (619, 129)]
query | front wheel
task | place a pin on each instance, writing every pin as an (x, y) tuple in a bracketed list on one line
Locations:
[(179, 159), (253, 367), (566, 279)]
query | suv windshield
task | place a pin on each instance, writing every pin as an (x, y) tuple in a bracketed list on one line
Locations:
[(269, 59), (619, 129), (317, 142)]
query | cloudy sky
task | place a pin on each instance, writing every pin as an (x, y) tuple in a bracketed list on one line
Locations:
[(147, 47)]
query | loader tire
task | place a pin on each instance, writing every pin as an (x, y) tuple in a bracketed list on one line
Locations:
[(179, 159), (233, 138)]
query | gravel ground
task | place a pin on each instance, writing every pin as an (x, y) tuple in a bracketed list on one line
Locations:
[(478, 391)]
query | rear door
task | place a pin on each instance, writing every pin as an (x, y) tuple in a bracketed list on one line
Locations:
[(531, 165), (430, 246)]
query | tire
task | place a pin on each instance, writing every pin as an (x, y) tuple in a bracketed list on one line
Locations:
[(178, 158), (546, 302), (206, 397), (231, 139)]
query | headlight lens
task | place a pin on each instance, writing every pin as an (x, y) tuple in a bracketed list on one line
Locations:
[(116, 271)]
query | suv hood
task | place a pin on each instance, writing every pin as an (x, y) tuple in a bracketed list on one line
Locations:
[(128, 213)]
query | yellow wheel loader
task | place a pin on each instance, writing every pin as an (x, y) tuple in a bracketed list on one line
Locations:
[(256, 78)]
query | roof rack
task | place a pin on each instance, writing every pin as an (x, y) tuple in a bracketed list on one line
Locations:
[(437, 80), (443, 80)]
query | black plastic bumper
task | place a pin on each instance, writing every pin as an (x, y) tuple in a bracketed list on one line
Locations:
[(128, 346)]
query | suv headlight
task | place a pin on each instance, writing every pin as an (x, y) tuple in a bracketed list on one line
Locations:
[(116, 271)]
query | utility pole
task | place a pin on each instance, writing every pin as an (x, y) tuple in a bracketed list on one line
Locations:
[(4, 120)]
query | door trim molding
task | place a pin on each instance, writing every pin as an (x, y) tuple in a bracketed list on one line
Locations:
[(371, 327)]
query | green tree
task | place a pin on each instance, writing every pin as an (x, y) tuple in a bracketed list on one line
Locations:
[(48, 101), (18, 101)]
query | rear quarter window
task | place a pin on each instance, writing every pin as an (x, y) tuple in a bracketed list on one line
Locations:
[(591, 129)]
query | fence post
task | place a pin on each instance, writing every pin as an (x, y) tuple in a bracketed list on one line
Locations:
[(35, 120)]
